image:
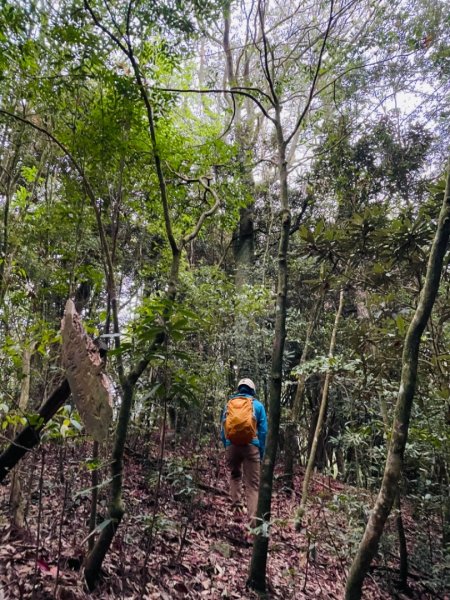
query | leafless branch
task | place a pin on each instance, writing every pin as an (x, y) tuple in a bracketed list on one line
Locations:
[(265, 55), (222, 135), (128, 20), (219, 91), (316, 75)]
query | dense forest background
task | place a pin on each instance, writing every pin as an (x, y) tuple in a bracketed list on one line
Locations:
[(225, 189)]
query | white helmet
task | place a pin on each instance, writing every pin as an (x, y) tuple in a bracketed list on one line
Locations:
[(248, 382)]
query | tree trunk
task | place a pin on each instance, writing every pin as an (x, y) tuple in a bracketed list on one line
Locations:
[(321, 418), (116, 509), (94, 496), (394, 462), (446, 520), (9, 174), (402, 545), (244, 236), (403, 548), (243, 245), (16, 498), (257, 575)]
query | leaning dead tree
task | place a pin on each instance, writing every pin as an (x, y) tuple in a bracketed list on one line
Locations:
[(91, 388)]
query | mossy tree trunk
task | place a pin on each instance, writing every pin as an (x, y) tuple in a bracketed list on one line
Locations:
[(394, 462)]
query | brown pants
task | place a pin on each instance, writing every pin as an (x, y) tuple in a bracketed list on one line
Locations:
[(244, 458)]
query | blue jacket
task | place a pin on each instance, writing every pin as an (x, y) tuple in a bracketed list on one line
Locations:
[(261, 425)]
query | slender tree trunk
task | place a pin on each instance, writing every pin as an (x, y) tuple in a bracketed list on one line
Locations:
[(116, 509), (16, 498), (321, 417), (94, 496), (446, 517), (293, 424), (394, 462), (403, 548), (4, 250), (244, 235), (243, 245), (402, 545), (8, 180), (257, 575), (243, 248)]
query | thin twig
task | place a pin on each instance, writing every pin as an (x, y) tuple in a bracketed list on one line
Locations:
[(38, 535), (66, 488)]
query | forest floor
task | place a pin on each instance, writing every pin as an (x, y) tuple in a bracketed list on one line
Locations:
[(197, 547)]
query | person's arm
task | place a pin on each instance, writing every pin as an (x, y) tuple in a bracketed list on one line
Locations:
[(222, 428), (262, 429)]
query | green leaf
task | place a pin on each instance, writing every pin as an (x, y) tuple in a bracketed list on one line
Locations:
[(401, 324), (306, 234), (29, 173)]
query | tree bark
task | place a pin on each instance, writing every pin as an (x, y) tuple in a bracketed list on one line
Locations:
[(243, 245), (91, 389), (394, 462)]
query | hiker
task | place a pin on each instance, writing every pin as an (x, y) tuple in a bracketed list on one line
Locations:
[(243, 432)]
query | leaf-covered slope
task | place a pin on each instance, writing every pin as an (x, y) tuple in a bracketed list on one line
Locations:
[(197, 547)]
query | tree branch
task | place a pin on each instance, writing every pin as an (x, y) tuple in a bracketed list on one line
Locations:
[(208, 213), (265, 65), (316, 75), (100, 25), (220, 91)]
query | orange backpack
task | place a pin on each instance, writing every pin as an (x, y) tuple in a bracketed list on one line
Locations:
[(240, 420)]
